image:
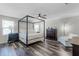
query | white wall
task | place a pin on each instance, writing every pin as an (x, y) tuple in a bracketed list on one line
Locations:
[(71, 24)]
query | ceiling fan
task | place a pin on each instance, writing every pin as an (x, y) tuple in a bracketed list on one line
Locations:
[(66, 3), (42, 16)]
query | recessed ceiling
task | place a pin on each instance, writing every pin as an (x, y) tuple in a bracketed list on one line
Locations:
[(52, 10)]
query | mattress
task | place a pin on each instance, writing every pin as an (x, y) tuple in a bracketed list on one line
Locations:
[(32, 37)]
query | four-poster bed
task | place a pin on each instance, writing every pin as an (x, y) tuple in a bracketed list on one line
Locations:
[(27, 34)]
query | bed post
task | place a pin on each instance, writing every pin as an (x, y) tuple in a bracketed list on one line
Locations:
[(18, 29), (44, 30), (27, 30)]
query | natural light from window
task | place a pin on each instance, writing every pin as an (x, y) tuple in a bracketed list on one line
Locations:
[(36, 28), (8, 27)]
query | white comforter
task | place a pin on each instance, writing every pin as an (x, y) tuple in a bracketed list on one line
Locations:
[(32, 37)]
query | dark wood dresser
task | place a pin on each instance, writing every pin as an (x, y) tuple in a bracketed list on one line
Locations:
[(75, 50), (51, 34)]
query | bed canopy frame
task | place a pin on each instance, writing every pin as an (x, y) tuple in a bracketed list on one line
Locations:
[(27, 21)]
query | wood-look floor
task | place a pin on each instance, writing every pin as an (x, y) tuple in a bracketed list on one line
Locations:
[(48, 48)]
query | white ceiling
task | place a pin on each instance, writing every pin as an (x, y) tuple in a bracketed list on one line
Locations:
[(52, 10)]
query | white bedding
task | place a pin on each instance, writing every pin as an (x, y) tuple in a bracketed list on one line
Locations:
[(32, 37)]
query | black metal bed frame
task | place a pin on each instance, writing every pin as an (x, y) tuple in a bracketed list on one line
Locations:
[(21, 20)]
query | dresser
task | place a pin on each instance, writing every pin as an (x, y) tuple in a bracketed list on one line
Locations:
[(51, 34)]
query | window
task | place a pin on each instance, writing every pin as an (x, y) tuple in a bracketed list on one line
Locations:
[(37, 28), (8, 27)]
